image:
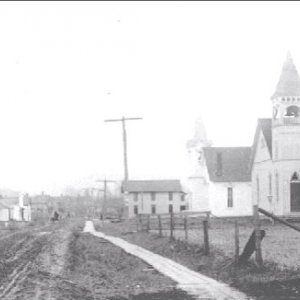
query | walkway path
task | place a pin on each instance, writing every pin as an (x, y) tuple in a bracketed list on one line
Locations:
[(192, 282)]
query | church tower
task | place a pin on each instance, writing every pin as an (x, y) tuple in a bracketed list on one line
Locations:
[(197, 173), (286, 138)]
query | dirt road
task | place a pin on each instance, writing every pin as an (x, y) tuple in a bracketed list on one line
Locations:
[(58, 261)]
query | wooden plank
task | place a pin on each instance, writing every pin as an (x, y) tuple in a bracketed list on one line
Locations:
[(236, 241), (250, 247), (206, 242), (282, 221), (159, 226), (185, 225), (171, 227), (258, 255)]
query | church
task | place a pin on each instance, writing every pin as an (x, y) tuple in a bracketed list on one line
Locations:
[(228, 181)]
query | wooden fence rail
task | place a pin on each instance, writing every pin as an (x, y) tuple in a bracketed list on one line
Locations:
[(176, 222)]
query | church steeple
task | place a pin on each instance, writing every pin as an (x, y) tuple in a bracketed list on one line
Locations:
[(289, 81), (200, 137)]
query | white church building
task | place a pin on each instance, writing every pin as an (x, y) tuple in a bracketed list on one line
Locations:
[(229, 180)]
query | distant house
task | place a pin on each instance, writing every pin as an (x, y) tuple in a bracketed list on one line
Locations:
[(41, 207), (154, 197), (15, 208)]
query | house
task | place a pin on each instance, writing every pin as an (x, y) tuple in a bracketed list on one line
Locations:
[(154, 197), (229, 181), (15, 208), (219, 178), (42, 207)]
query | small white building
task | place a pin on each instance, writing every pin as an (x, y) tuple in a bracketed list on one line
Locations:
[(154, 197), (219, 178), (15, 208)]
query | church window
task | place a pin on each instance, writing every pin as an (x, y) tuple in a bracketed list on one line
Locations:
[(277, 186), (135, 196), (292, 111), (229, 197), (270, 188), (295, 177), (276, 151), (257, 189)]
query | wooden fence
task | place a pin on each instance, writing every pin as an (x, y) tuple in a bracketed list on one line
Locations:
[(171, 222)]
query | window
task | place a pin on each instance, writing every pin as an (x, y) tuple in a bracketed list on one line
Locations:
[(182, 197), (182, 207), (170, 196), (170, 208), (135, 197), (292, 111), (270, 184), (257, 189), (153, 209), (295, 177), (229, 197), (136, 209), (153, 196), (277, 187)]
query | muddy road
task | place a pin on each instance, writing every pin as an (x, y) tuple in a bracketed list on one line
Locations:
[(58, 261)]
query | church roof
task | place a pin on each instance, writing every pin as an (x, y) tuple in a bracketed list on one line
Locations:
[(152, 186), (228, 164), (264, 125), (289, 81)]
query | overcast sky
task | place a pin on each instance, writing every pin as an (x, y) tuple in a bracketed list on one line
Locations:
[(67, 66)]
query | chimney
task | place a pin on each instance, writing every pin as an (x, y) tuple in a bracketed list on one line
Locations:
[(219, 164)]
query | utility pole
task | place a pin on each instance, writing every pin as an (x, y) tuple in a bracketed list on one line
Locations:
[(123, 119), (105, 181)]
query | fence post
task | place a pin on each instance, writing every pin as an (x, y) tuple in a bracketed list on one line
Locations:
[(237, 241), (208, 218), (137, 223), (141, 222), (205, 233), (159, 226), (148, 223), (258, 256), (171, 226), (185, 227)]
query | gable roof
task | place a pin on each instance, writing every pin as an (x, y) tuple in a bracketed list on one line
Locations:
[(9, 202), (289, 81), (234, 163), (152, 186), (264, 125)]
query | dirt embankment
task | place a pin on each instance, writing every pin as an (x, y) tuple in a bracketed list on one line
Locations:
[(58, 261)]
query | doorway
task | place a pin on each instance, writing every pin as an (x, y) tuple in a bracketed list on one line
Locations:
[(295, 193)]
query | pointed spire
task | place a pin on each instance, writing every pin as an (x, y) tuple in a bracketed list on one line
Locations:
[(200, 137), (289, 81)]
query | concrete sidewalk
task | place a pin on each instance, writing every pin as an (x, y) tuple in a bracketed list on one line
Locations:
[(196, 284)]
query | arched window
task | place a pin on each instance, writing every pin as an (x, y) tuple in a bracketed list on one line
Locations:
[(292, 111), (270, 196), (277, 186), (257, 189), (295, 177)]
